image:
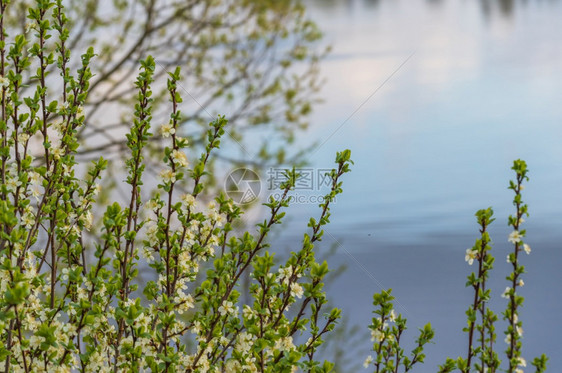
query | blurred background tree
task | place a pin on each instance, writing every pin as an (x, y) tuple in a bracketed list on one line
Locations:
[(256, 61)]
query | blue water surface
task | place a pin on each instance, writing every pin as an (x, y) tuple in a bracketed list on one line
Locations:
[(436, 99)]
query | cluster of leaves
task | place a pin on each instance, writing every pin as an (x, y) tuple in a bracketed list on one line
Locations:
[(73, 302)]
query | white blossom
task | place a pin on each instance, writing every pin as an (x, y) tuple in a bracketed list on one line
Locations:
[(179, 158), (368, 361), (88, 220), (377, 335), (167, 130), (168, 176), (392, 316), (232, 366), (506, 292), (12, 184), (188, 200), (227, 308), (470, 255), (57, 152), (514, 237), (296, 290), (28, 220)]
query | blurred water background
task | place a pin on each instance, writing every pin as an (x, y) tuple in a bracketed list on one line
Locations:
[(436, 99)]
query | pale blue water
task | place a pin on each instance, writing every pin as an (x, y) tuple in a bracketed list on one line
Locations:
[(433, 145)]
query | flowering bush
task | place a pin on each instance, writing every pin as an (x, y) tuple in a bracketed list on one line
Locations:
[(70, 301)]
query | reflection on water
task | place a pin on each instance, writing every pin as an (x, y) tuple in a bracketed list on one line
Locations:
[(489, 8)]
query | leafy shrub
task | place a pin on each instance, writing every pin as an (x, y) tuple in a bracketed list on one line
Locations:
[(64, 309)]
